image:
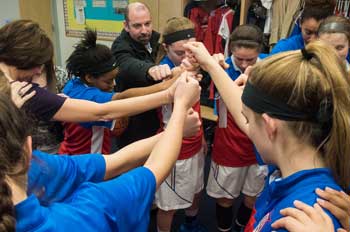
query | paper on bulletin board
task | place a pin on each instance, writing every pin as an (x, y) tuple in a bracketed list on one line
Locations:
[(99, 3), (80, 15), (106, 16)]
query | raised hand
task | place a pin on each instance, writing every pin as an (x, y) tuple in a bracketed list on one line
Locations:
[(187, 90), (220, 59), (188, 66), (242, 79), (192, 123), (160, 72), (198, 54)]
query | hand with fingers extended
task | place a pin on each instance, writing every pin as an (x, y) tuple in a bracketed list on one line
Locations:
[(159, 72), (338, 203), (20, 92), (305, 218), (192, 124), (187, 90), (243, 78)]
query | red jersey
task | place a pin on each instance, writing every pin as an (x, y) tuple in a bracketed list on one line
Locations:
[(231, 147), (214, 22), (191, 145), (81, 140), (200, 19)]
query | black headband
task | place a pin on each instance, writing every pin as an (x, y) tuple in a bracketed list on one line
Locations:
[(179, 35), (260, 103), (247, 41), (102, 68), (335, 26)]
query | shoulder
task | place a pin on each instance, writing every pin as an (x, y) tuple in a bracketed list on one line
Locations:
[(44, 104), (123, 41), (132, 195), (75, 88), (291, 43)]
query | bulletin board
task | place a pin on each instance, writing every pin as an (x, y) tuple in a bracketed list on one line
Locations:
[(105, 16)]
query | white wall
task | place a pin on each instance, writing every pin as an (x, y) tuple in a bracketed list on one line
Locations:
[(9, 10), (65, 44)]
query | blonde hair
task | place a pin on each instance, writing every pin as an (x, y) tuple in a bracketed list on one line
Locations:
[(174, 24), (305, 84)]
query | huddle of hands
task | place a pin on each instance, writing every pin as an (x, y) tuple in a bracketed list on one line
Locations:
[(185, 92), (302, 218)]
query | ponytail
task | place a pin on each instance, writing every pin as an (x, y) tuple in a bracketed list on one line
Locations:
[(314, 81), (336, 147)]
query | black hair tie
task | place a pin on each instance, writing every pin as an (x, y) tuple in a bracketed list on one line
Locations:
[(307, 55)]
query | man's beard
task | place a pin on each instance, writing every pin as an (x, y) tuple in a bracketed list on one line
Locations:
[(144, 39)]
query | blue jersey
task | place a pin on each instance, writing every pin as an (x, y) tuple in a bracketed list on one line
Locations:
[(120, 204), (296, 29), (88, 137), (76, 89), (279, 193), (53, 178), (292, 43), (167, 61)]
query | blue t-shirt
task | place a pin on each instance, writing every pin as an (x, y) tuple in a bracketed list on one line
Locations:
[(167, 61), (280, 193), (76, 89), (292, 43), (120, 204), (53, 178), (296, 29)]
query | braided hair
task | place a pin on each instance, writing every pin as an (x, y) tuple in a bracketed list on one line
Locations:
[(14, 131)]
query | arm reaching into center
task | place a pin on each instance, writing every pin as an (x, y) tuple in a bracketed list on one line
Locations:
[(230, 92), (166, 151)]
